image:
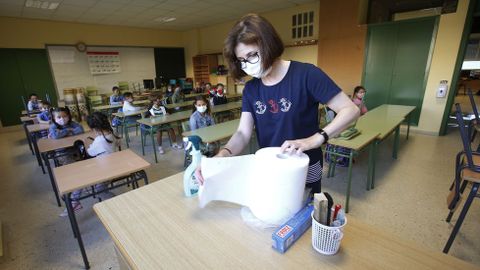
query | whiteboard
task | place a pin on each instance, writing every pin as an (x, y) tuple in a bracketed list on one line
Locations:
[(71, 68)]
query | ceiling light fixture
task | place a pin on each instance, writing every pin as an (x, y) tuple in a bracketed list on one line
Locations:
[(41, 4), (165, 19)]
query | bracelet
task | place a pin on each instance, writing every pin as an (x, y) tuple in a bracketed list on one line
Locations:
[(324, 134), (228, 150)]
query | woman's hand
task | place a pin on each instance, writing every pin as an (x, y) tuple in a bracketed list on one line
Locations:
[(301, 145), (199, 176)]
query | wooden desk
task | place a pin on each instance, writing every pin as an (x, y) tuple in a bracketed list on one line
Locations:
[(180, 116), (390, 110), (111, 107), (179, 105), (356, 145), (216, 132), (48, 146), (32, 131), (190, 96), (124, 165), (28, 120), (171, 232), (129, 113)]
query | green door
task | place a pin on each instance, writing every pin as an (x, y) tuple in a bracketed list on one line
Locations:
[(36, 74), (379, 65), (23, 71), (396, 68)]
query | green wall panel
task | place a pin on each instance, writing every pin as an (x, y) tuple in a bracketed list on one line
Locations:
[(23, 71)]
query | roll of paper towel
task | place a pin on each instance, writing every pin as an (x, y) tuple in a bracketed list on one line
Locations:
[(271, 184)]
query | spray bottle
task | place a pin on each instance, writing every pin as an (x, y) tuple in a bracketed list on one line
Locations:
[(190, 184)]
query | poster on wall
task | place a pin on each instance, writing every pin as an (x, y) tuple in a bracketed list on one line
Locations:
[(104, 62)]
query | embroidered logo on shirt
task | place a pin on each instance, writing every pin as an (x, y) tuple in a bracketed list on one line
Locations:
[(285, 105), (273, 105), (261, 108)]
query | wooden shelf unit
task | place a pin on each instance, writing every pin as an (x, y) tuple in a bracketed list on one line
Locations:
[(203, 65)]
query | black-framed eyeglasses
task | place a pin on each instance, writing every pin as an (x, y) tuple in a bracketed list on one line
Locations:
[(252, 59)]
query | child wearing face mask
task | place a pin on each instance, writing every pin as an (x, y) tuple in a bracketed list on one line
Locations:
[(169, 93), (201, 114), (220, 97), (157, 109), (358, 95), (44, 117), (62, 124), (208, 88)]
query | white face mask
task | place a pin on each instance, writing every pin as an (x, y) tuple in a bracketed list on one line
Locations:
[(201, 109), (61, 121), (256, 70)]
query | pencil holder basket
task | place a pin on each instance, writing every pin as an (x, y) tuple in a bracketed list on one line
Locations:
[(326, 239)]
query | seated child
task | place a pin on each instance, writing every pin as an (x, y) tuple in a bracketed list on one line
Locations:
[(116, 98), (169, 93), (62, 124), (177, 94), (201, 116), (105, 142), (157, 109), (198, 88), (44, 117), (358, 95), (33, 104), (219, 98)]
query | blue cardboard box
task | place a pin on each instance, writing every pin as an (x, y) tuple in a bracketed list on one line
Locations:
[(285, 235)]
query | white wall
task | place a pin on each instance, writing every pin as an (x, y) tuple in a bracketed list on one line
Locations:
[(136, 64)]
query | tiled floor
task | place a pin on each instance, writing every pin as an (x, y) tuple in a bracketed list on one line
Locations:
[(409, 201)]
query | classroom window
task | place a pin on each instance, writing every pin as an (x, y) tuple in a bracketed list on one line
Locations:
[(303, 25)]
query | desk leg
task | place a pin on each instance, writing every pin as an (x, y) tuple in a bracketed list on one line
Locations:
[(37, 152), (28, 138), (396, 142), (142, 139), (52, 180), (76, 231), (349, 181), (371, 160), (374, 161), (408, 124), (125, 132), (153, 144)]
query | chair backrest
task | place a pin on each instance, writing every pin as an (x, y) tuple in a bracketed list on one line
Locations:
[(474, 106), (464, 135)]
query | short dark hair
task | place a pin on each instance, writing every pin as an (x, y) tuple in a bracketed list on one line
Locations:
[(220, 84), (358, 88), (252, 29), (127, 95), (46, 103), (115, 88), (31, 95)]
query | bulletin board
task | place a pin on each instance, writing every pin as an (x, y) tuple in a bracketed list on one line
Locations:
[(104, 62)]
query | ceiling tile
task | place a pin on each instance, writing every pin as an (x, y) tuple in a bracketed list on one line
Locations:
[(70, 8), (146, 3), (12, 2), (79, 3)]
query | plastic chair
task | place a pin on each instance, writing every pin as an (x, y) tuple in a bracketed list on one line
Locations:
[(476, 121), (467, 170)]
